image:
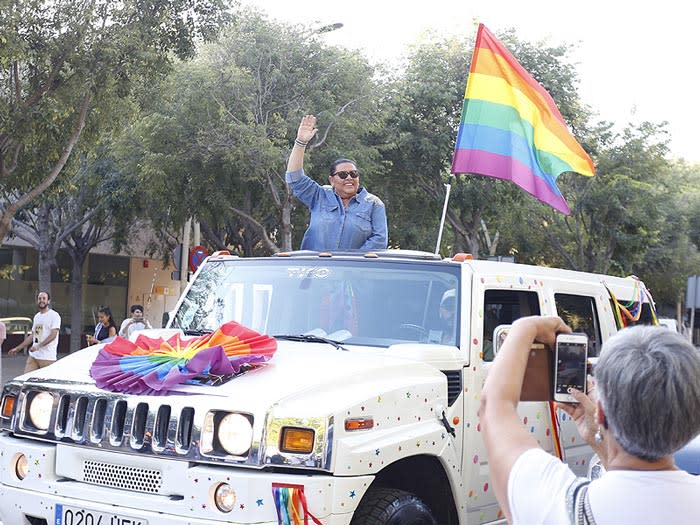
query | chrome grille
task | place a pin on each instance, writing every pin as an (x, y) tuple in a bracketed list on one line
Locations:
[(122, 477), (168, 426)]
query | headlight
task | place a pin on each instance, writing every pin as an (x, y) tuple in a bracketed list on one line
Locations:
[(235, 433), (40, 410)]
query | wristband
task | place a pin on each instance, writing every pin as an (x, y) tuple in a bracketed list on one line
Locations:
[(300, 143)]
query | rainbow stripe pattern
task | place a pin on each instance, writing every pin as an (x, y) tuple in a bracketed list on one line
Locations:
[(291, 506), (155, 366), (511, 128)]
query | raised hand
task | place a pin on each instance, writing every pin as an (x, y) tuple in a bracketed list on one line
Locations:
[(307, 129)]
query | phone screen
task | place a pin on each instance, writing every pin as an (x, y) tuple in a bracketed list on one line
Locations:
[(571, 367)]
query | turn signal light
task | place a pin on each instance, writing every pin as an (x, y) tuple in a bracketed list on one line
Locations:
[(360, 423), (297, 440), (8, 406)]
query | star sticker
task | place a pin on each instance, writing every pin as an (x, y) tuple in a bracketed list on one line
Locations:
[(408, 395), (259, 502), (376, 452), (36, 462), (242, 506), (352, 493)]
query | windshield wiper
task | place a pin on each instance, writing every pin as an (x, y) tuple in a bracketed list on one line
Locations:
[(311, 339), (198, 331)]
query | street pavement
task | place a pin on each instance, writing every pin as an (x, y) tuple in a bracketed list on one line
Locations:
[(12, 366)]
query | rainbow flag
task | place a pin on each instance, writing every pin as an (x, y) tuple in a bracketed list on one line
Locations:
[(511, 128)]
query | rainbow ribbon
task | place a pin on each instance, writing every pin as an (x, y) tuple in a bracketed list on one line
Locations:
[(291, 506)]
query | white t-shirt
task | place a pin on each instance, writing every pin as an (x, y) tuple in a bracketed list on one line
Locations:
[(537, 494), (126, 331), (44, 322)]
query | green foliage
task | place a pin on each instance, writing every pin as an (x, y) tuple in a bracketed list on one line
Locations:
[(58, 56)]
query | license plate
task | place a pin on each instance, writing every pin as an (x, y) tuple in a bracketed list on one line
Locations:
[(66, 515)]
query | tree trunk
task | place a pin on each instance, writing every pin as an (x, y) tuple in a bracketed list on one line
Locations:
[(76, 315), (286, 226), (8, 213), (45, 249)]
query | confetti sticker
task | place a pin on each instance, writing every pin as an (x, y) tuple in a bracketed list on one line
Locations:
[(521, 280), (475, 341), (525, 420), (475, 459), (486, 487)]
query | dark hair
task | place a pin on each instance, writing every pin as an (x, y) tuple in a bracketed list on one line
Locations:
[(105, 310), (135, 307), (48, 295), (341, 161)]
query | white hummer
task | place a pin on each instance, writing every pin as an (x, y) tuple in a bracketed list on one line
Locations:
[(366, 414)]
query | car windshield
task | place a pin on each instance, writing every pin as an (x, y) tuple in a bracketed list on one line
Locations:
[(376, 304)]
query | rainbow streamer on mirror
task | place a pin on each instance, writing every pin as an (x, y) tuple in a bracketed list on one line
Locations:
[(290, 503), (156, 366)]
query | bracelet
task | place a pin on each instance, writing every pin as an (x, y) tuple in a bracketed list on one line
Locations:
[(300, 143)]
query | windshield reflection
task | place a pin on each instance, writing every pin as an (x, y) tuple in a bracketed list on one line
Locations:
[(348, 301)]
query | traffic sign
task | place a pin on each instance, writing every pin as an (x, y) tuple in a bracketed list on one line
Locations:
[(197, 256)]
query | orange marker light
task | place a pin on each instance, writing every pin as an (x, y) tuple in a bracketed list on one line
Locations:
[(359, 423), (297, 440), (8, 406), (455, 420)]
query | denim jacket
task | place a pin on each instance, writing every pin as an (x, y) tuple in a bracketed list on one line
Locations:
[(360, 226)]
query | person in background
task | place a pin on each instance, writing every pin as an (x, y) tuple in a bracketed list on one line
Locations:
[(43, 341), (344, 215), (134, 323), (3, 334), (105, 329), (644, 407)]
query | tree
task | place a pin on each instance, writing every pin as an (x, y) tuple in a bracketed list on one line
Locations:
[(62, 66), (616, 215)]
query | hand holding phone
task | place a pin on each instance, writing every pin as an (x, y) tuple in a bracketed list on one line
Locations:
[(570, 366)]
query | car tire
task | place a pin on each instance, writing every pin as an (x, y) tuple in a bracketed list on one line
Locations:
[(383, 506)]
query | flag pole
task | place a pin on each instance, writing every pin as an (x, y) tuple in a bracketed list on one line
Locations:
[(442, 221)]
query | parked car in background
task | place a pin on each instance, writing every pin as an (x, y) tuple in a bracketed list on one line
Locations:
[(17, 325)]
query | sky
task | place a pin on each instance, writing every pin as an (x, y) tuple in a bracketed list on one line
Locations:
[(635, 61)]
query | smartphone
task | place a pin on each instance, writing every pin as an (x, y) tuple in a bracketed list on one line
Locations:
[(571, 365)]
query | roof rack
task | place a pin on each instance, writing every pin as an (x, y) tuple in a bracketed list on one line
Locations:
[(379, 254)]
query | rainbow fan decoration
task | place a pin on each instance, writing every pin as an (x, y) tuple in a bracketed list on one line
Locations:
[(155, 366)]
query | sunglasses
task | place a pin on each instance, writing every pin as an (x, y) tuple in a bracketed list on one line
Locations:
[(344, 174)]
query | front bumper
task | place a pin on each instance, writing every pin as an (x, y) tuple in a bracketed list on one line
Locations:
[(184, 496)]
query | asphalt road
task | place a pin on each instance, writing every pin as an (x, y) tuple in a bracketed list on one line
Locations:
[(11, 366)]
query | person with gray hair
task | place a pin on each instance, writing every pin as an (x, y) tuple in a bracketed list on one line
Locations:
[(645, 406)]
